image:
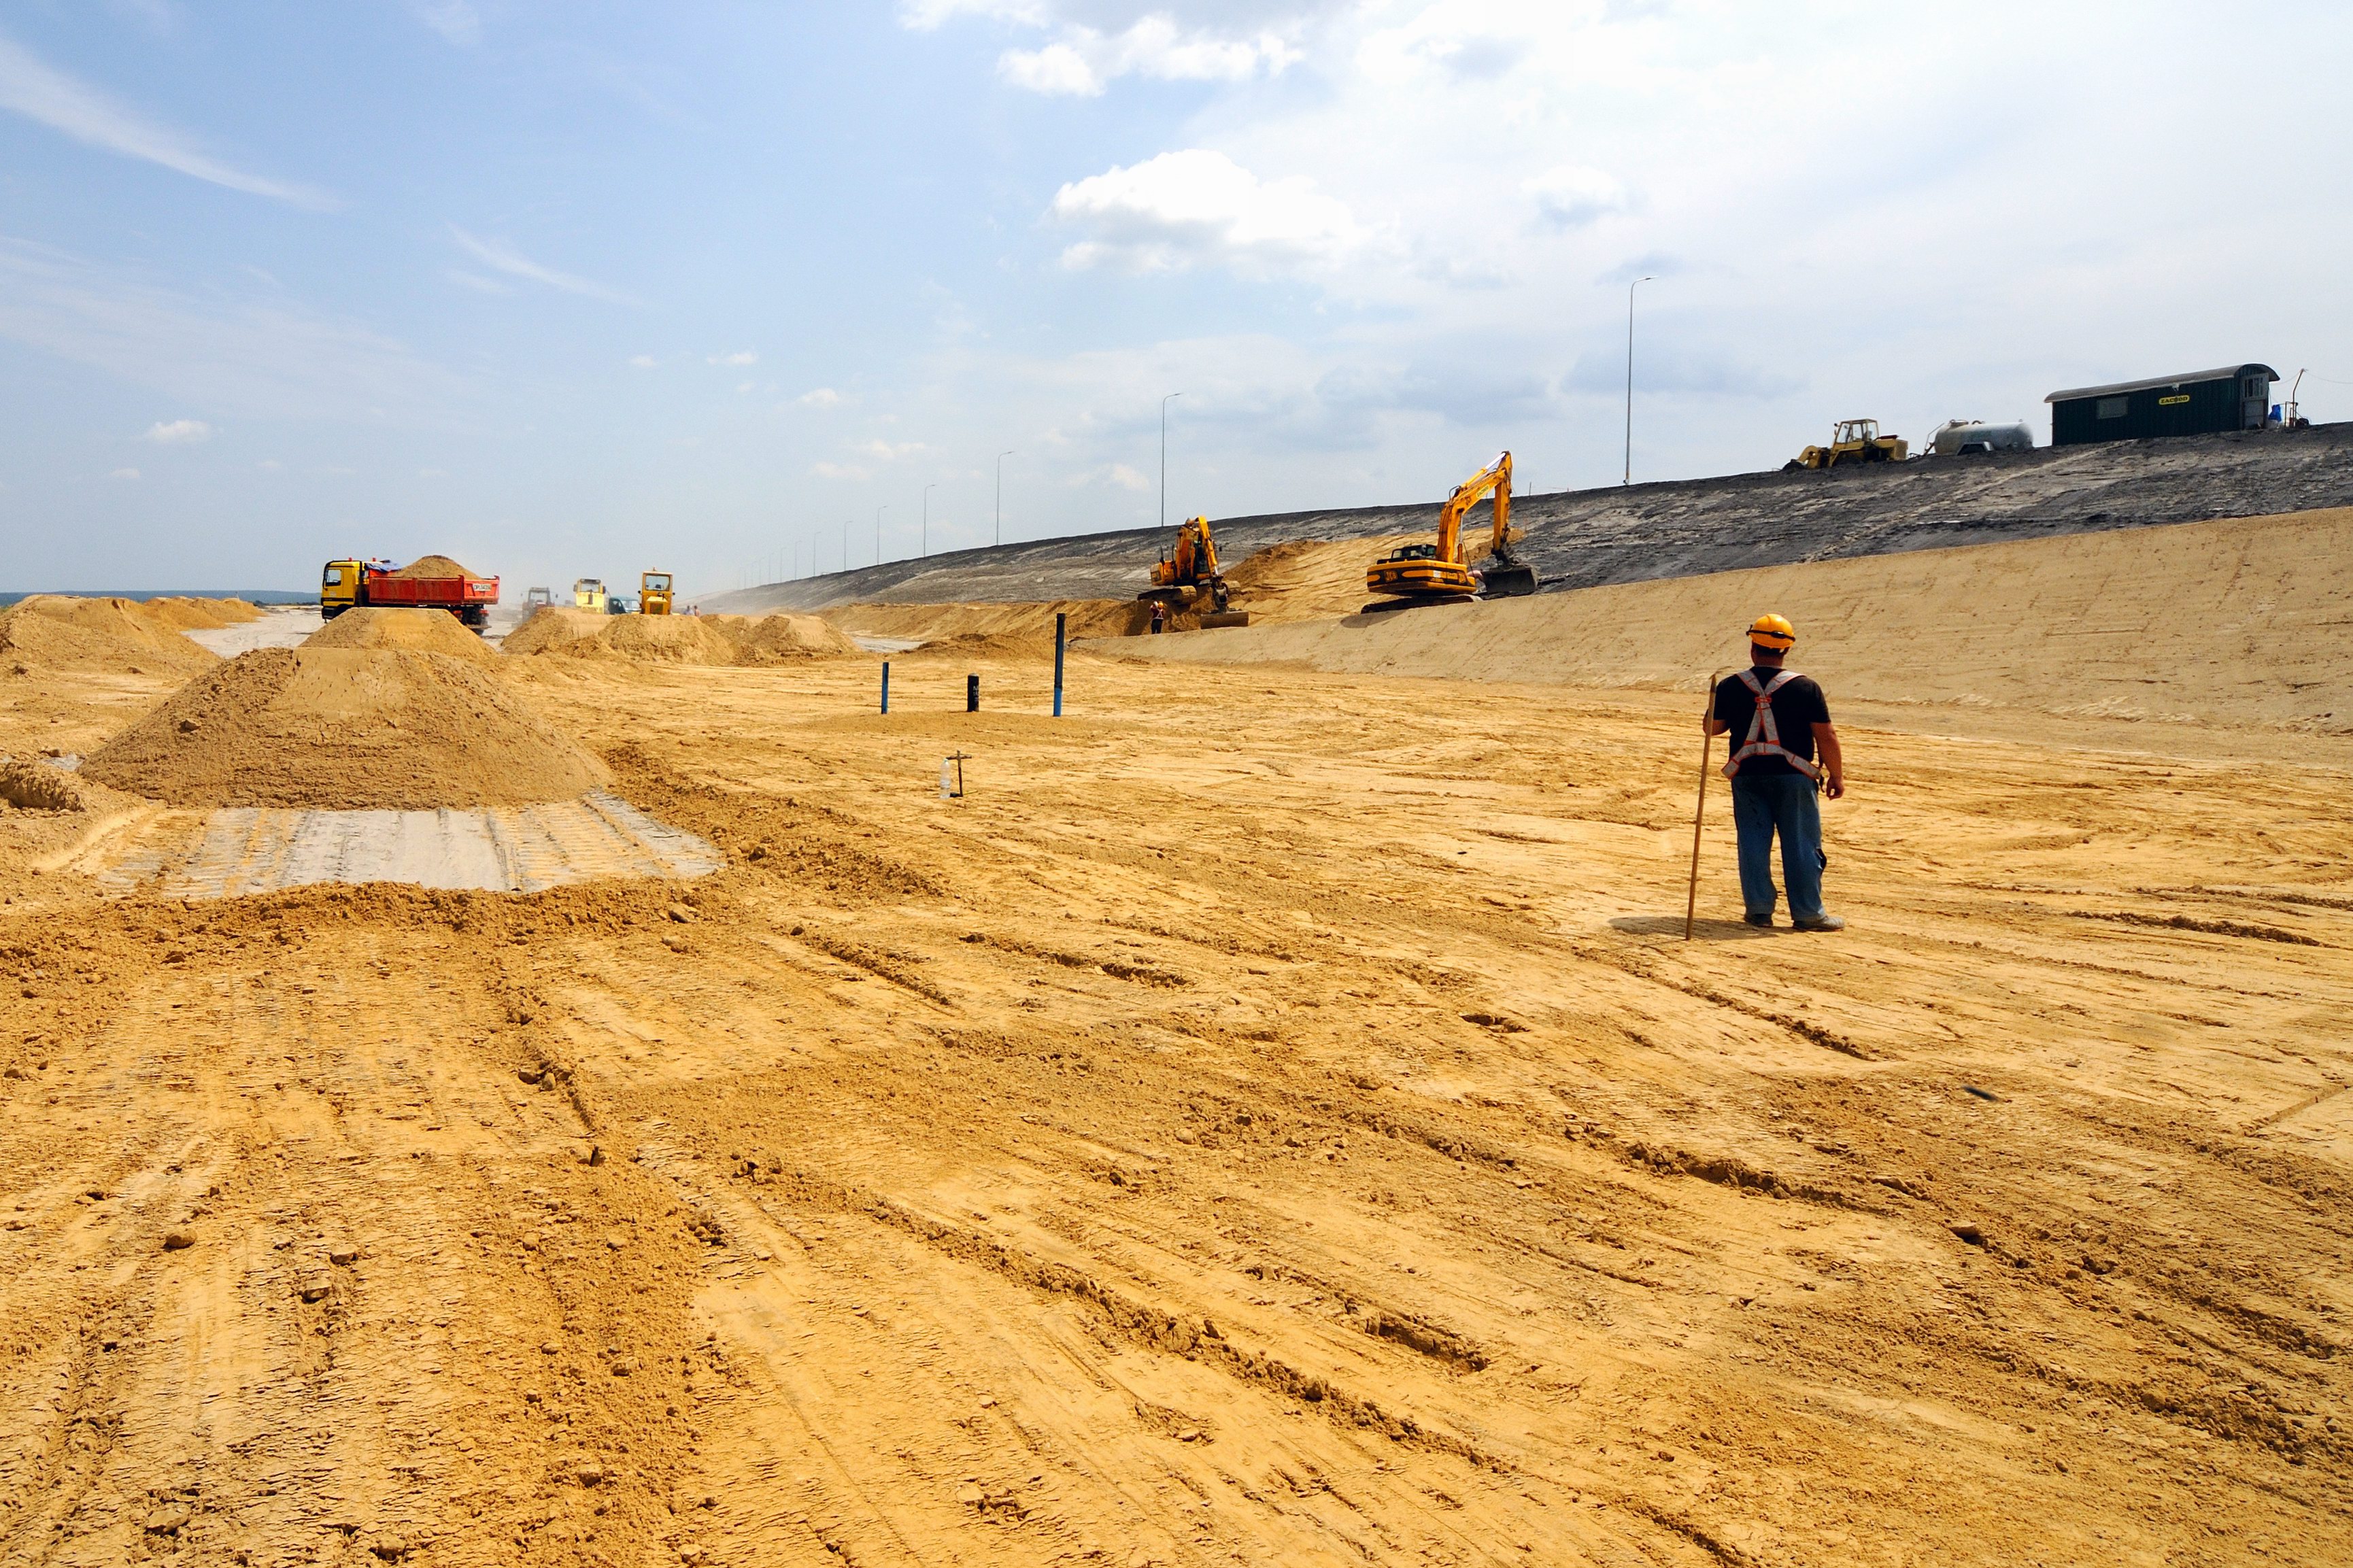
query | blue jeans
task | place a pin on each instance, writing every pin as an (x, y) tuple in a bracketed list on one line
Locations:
[(1761, 806)]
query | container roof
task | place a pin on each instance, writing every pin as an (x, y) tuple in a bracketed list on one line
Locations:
[(2222, 373)]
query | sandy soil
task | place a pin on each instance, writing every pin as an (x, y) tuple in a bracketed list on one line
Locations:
[(1270, 1119)]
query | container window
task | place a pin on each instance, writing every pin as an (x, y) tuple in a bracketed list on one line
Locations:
[(2112, 407)]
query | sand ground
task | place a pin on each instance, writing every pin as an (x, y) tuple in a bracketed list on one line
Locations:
[(1271, 1118)]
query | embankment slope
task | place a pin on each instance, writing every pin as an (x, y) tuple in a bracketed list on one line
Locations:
[(2237, 622)]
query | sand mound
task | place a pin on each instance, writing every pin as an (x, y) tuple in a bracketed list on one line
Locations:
[(344, 727), (1023, 631), (420, 631), (431, 566), (181, 614), (1302, 579), (39, 787), (53, 632), (781, 638), (708, 640)]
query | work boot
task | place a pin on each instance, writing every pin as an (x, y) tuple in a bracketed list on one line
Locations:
[(1763, 919), (1821, 923)]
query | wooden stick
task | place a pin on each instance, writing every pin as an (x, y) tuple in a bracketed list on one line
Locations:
[(1691, 904)]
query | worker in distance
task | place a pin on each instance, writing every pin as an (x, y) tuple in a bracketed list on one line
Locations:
[(1778, 719)]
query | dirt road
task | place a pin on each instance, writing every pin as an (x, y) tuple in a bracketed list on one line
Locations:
[(1271, 1119)]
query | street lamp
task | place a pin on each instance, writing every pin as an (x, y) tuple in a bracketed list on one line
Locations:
[(1164, 459), (1000, 495), (1629, 373), (927, 515)]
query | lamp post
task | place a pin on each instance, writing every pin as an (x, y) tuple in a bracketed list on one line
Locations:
[(1001, 494), (927, 515), (1629, 373), (1164, 459)]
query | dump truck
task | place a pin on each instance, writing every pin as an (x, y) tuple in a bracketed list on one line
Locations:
[(653, 593), (430, 583), (1852, 441)]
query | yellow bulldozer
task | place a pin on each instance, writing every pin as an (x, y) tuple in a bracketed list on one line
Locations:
[(1436, 573), (1853, 441), (653, 593)]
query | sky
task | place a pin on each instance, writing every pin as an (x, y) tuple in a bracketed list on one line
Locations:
[(748, 290)]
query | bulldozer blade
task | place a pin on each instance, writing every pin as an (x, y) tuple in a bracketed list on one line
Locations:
[(1513, 582)]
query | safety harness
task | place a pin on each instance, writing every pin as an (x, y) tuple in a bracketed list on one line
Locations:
[(1764, 737)]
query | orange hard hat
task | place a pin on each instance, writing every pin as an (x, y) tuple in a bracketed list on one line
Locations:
[(1773, 632)]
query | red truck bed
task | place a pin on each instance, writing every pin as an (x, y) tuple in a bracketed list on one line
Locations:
[(468, 598)]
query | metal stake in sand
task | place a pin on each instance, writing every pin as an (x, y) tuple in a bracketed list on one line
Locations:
[(886, 686), (1061, 623), (1691, 903), (971, 694), (951, 777)]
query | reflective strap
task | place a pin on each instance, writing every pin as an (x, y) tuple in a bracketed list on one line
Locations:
[(1764, 737)]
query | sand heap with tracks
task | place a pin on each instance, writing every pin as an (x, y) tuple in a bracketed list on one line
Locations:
[(708, 640), (418, 631), (344, 727)]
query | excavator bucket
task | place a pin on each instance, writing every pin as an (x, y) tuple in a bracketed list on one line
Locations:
[(1511, 580)]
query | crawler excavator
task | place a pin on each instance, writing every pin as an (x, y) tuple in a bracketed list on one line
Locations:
[(1181, 578), (1436, 573)]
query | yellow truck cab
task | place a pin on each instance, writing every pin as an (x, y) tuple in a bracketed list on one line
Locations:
[(653, 593), (339, 588), (588, 593)]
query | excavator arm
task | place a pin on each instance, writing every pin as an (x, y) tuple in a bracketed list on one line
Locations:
[(1495, 478)]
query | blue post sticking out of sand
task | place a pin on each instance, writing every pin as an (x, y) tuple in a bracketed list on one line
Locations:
[(1061, 623), (886, 686)]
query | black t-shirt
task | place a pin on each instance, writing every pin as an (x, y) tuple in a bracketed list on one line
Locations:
[(1797, 706)]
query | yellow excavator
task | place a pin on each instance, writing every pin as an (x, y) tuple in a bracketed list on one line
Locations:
[(653, 593), (1436, 573), (1190, 571), (1852, 441)]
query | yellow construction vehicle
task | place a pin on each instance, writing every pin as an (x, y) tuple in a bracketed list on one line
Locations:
[(588, 593), (653, 593), (1191, 571), (1436, 573), (1854, 441)]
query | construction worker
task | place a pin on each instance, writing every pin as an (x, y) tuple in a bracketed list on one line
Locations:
[(1778, 721), (1159, 617)]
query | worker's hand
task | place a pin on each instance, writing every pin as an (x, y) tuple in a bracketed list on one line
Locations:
[(1835, 787)]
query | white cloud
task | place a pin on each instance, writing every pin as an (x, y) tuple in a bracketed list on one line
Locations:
[(124, 474), (270, 465), (886, 452), (1128, 478), (1200, 207), (500, 256), (41, 92), (840, 471), (454, 19), (819, 397), (741, 356), (1083, 61), (179, 433), (643, 362), (475, 280), (1574, 197)]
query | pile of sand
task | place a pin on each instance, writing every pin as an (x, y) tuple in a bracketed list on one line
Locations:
[(182, 614), (1021, 630), (431, 566), (344, 727), (119, 635), (418, 631), (39, 787), (708, 640)]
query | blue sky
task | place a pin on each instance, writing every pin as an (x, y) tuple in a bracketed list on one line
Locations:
[(570, 290)]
